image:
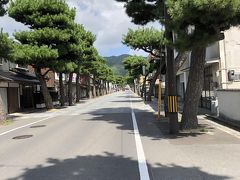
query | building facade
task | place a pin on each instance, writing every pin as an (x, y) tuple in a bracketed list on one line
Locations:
[(17, 86), (222, 69)]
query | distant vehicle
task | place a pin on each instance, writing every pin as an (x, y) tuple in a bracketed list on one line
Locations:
[(127, 87)]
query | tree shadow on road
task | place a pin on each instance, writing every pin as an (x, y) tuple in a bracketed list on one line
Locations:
[(109, 167), (127, 101), (128, 96), (148, 125)]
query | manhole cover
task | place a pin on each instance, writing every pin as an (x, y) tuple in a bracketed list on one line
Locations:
[(22, 137), (38, 126)]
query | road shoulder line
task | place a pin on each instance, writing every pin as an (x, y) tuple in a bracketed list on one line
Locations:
[(6, 132), (142, 164)]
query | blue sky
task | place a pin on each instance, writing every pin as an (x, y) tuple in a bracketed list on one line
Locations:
[(104, 18)]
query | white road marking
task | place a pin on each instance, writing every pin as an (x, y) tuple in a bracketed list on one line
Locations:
[(142, 164), (225, 129), (25, 125)]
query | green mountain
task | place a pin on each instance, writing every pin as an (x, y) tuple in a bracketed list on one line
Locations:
[(115, 62)]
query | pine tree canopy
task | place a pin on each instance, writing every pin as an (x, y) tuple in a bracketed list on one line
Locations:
[(27, 54), (51, 24), (72, 53), (5, 45), (149, 40), (134, 65), (144, 11), (41, 13), (200, 22), (49, 36), (196, 22)]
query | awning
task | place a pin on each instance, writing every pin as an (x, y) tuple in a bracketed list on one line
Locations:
[(23, 77), (211, 62)]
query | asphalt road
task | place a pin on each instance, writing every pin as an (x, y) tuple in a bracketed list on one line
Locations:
[(114, 137), (93, 140)]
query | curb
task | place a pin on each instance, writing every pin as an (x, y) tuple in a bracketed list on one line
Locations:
[(223, 122)]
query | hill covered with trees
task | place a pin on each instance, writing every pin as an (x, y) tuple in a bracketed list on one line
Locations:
[(115, 62)]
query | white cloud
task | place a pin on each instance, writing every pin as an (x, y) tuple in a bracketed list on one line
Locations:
[(105, 18), (10, 26), (138, 53), (107, 21)]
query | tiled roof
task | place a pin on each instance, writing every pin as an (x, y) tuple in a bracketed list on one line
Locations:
[(22, 77)]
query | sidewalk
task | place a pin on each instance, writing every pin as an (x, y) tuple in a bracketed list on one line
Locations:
[(43, 112), (203, 113)]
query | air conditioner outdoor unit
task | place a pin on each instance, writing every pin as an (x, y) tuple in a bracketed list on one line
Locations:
[(233, 76)]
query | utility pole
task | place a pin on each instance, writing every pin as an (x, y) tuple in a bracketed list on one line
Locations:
[(172, 90)]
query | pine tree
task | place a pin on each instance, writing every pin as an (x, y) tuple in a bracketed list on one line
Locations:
[(88, 68), (153, 42), (39, 46), (199, 23), (134, 66)]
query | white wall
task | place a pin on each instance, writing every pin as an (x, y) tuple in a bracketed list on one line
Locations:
[(230, 57), (229, 103)]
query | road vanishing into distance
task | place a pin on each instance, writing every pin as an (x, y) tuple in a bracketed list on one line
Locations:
[(114, 137)]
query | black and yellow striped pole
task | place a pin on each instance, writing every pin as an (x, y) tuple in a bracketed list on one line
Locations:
[(172, 104)]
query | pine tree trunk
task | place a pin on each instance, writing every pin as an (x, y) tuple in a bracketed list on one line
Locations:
[(99, 92), (94, 87), (134, 87), (104, 88), (89, 88), (194, 89), (61, 87), (144, 85), (152, 84), (70, 98), (166, 96), (78, 91), (46, 95), (108, 86)]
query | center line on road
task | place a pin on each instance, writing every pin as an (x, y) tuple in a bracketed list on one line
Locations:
[(142, 164), (25, 125)]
